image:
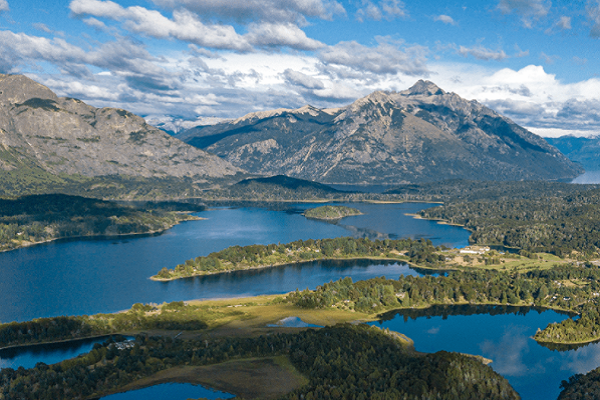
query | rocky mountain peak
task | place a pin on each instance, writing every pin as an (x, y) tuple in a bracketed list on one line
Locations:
[(424, 88), (16, 89)]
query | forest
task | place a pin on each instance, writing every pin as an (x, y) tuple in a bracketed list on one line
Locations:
[(340, 362), (331, 212), (169, 316), (37, 218), (561, 224), (233, 258)]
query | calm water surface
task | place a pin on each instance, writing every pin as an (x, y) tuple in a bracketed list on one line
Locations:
[(91, 276), (28, 356), (502, 334), (171, 391)]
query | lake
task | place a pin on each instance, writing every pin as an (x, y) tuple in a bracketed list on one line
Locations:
[(75, 277), (502, 334)]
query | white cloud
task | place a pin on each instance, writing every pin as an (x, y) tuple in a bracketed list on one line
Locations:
[(4, 5), (95, 23), (184, 26), (482, 53), (338, 91), (276, 35), (306, 81), (445, 19), (386, 58), (263, 10), (527, 9), (385, 9)]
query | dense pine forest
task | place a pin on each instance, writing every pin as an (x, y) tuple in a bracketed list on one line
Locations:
[(37, 218), (341, 362), (234, 258)]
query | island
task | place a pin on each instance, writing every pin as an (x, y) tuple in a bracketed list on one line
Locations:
[(331, 212)]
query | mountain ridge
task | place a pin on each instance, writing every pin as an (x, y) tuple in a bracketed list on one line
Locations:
[(417, 135), (61, 137)]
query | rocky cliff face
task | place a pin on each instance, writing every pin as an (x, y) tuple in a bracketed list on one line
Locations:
[(67, 136), (417, 135)]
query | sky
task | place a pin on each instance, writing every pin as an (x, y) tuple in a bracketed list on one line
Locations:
[(183, 62)]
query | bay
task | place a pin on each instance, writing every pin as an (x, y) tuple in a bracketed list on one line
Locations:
[(502, 334)]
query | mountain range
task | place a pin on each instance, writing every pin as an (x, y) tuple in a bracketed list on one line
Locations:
[(423, 134), (417, 135), (583, 150), (56, 138)]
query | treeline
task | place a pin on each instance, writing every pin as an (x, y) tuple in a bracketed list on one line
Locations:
[(171, 316), (331, 212), (460, 190), (39, 218), (549, 223), (233, 258), (564, 287), (581, 386), (342, 362)]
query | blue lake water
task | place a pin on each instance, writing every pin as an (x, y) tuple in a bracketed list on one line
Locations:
[(91, 276), (170, 391), (28, 356), (502, 334), (105, 275)]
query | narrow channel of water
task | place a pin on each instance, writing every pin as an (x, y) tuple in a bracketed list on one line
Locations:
[(171, 391)]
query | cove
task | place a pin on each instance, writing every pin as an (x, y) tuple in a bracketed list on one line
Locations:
[(76, 277), (502, 334), (48, 353)]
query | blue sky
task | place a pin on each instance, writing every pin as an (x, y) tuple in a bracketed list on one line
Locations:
[(535, 61)]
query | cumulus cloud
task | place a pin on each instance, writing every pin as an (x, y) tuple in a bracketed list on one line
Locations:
[(3, 5), (338, 91), (445, 19), (277, 35), (184, 25), (482, 53), (300, 79), (386, 58), (529, 10), (385, 9), (95, 23), (264, 10), (583, 112)]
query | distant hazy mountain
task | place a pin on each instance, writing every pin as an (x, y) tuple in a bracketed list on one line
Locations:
[(44, 135), (585, 151), (417, 135)]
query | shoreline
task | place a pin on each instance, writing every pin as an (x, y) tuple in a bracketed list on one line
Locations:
[(249, 268), (103, 236)]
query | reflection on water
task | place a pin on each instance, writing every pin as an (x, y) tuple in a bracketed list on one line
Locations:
[(170, 391), (92, 276), (50, 353), (505, 337)]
